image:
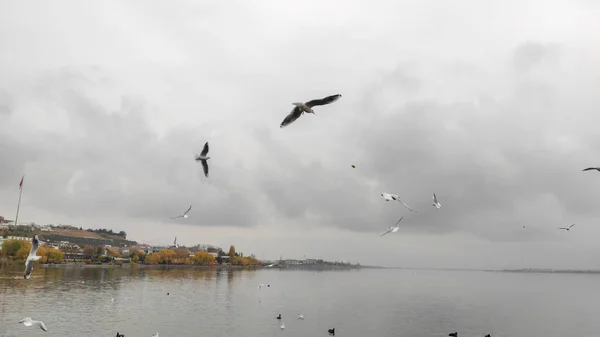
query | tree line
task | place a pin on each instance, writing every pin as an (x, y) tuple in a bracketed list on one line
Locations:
[(19, 250)]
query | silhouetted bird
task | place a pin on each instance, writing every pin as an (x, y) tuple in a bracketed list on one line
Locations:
[(454, 334), (592, 168), (331, 331), (203, 158), (301, 108), (279, 317), (567, 228)]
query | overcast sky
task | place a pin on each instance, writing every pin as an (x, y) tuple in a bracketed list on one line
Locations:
[(492, 105)]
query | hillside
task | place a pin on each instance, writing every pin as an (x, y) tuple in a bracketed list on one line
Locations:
[(83, 237)]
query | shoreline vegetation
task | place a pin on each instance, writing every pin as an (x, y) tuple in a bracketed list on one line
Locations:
[(78, 248)]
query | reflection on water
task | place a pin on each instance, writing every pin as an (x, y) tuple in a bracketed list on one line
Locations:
[(211, 302)]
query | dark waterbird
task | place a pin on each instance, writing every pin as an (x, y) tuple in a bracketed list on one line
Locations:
[(331, 331), (567, 228), (279, 317), (300, 108), (592, 168)]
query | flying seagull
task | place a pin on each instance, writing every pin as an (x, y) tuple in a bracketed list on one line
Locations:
[(300, 108), (353, 166), (300, 316), (436, 202), (567, 228), (35, 243), (203, 159), (27, 321), (389, 196), (184, 215), (394, 228), (592, 168)]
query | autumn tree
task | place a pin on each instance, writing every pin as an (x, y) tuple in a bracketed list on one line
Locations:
[(23, 252), (181, 255), (137, 256), (88, 250), (43, 252), (153, 258), (231, 253), (55, 256), (167, 256), (11, 247), (113, 252), (204, 258)]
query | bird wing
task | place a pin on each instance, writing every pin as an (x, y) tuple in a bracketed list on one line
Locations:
[(435, 198), (562, 228), (399, 221), (42, 325), (291, 117), (28, 268), (204, 150), (389, 230), (25, 319), (590, 168), (177, 217), (323, 101), (186, 212), (571, 226), (405, 205), (205, 167)]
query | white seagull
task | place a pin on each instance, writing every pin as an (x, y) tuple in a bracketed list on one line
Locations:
[(390, 196), (184, 215), (35, 243), (300, 316), (27, 321), (394, 228), (300, 108), (203, 159), (282, 326), (436, 202), (567, 228), (260, 286), (155, 335)]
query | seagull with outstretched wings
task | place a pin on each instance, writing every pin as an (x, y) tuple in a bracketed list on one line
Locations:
[(394, 228), (32, 257), (27, 321), (567, 228), (202, 158), (184, 215), (300, 108), (592, 168)]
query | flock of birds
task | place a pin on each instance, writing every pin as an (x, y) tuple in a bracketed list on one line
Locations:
[(298, 110)]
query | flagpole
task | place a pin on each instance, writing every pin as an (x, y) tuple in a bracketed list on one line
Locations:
[(19, 204)]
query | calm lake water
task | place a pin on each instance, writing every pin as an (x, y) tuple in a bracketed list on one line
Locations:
[(365, 303)]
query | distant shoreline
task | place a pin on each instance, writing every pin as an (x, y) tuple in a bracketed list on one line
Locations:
[(146, 266)]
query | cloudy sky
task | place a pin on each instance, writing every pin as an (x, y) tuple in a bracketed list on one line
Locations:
[(492, 105)]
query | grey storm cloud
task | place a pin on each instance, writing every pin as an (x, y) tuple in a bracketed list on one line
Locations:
[(479, 105)]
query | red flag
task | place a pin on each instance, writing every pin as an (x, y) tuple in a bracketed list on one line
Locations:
[(21, 183)]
